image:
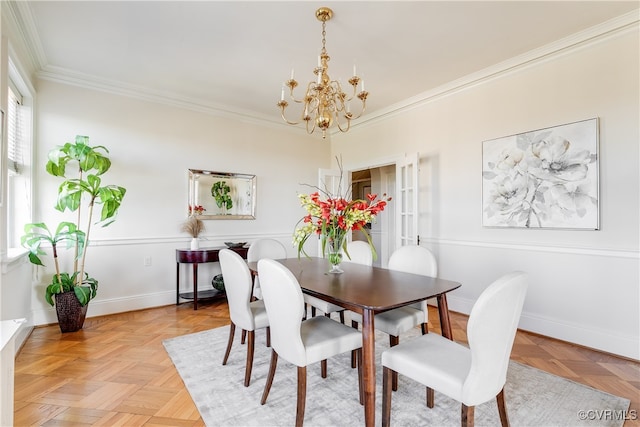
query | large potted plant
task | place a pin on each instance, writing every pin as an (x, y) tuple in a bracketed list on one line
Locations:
[(71, 291)]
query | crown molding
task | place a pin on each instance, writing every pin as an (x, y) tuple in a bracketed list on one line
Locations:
[(20, 13), (20, 18), (74, 78), (591, 36)]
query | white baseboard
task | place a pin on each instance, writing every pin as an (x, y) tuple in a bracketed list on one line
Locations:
[(112, 306), (626, 346)]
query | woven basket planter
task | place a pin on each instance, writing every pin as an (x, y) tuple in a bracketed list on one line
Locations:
[(71, 314)]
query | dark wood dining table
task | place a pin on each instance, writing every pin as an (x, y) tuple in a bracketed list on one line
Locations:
[(369, 290)]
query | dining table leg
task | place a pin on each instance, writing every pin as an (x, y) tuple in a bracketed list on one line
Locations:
[(443, 311), (369, 367)]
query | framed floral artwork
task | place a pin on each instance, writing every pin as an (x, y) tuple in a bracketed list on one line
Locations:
[(546, 178)]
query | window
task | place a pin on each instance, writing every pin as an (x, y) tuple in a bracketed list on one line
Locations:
[(18, 196)]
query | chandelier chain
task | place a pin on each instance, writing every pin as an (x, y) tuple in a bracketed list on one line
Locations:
[(324, 34)]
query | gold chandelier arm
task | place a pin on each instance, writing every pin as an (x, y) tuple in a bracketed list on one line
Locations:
[(283, 105), (340, 126), (310, 131)]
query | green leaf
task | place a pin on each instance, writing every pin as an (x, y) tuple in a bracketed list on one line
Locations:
[(83, 294), (34, 259)]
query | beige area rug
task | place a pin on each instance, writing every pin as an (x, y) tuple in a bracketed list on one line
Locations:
[(533, 397)]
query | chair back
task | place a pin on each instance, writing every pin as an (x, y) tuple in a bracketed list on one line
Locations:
[(414, 259), (237, 285), (285, 307), (360, 253), (491, 330), (266, 248), (417, 260)]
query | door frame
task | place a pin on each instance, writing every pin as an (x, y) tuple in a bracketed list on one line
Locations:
[(386, 249)]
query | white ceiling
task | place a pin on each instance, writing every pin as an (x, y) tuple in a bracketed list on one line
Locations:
[(234, 55)]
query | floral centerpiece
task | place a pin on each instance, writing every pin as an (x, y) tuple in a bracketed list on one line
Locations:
[(332, 217)]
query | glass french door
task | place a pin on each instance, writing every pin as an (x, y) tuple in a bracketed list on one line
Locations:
[(407, 201)]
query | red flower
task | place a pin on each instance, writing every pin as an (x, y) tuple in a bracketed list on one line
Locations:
[(332, 217), (341, 204)]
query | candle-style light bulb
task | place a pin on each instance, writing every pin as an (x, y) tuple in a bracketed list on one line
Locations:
[(282, 93)]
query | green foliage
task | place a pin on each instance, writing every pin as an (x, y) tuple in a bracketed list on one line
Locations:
[(220, 192), (38, 233), (64, 282), (75, 194)]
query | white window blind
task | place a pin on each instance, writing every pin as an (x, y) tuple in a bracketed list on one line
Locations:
[(15, 126)]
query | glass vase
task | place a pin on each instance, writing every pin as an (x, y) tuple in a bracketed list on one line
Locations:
[(335, 256)]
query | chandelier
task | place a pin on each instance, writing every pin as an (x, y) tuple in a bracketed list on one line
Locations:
[(324, 102)]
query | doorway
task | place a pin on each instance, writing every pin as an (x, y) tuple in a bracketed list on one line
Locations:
[(378, 180)]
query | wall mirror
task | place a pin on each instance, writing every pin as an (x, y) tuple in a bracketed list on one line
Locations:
[(222, 195)]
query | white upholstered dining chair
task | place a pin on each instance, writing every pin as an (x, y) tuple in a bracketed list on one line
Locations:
[(409, 259), (471, 375), (245, 314), (264, 248), (360, 253), (300, 342)]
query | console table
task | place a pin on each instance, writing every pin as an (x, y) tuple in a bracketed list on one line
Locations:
[(195, 257)]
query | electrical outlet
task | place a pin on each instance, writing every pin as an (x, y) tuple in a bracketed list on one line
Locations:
[(147, 261)]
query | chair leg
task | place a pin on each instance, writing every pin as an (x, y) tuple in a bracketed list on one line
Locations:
[(232, 331), (393, 341), (502, 409), (354, 325), (323, 368), (313, 311), (272, 372), (250, 349), (466, 415), (387, 380), (244, 337), (302, 394), (306, 307), (268, 336), (342, 316), (360, 377), (425, 328), (430, 397)]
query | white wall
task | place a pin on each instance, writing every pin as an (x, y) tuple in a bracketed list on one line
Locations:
[(151, 147), (584, 284)]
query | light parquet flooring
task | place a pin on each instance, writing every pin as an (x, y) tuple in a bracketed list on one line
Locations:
[(115, 371)]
